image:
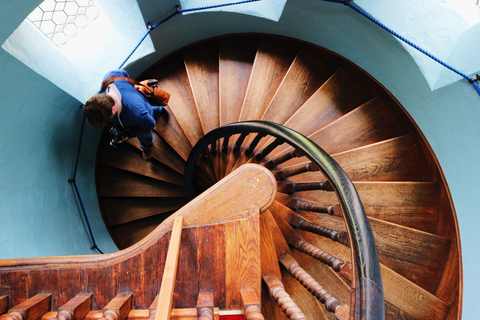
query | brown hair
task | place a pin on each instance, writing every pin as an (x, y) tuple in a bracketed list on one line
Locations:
[(98, 110)]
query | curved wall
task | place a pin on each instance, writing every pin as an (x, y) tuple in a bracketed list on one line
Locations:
[(40, 124)]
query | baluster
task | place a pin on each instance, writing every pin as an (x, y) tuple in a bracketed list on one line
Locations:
[(294, 170), (251, 305), (282, 158), (268, 149), (311, 206), (254, 143), (313, 251), (76, 308), (331, 303), (3, 304), (291, 187), (118, 308), (225, 144), (31, 309), (301, 223), (205, 305), (239, 142), (213, 148), (278, 293)]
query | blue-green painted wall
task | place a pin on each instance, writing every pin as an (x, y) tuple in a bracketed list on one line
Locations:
[(40, 126)]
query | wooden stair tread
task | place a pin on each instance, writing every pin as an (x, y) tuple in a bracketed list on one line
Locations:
[(271, 64), (422, 263), (235, 66), (118, 183), (411, 204), (201, 64), (306, 74), (395, 159), (400, 293), (336, 97), (173, 78), (370, 123), (170, 130), (128, 159), (162, 152), (122, 210)]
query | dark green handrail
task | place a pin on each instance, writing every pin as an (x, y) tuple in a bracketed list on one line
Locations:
[(369, 298)]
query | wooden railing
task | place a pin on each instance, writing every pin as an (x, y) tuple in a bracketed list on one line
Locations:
[(210, 276), (245, 139)]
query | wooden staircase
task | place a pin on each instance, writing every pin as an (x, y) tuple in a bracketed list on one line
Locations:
[(339, 107)]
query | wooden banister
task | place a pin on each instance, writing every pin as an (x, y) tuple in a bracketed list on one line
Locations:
[(256, 196), (165, 299)]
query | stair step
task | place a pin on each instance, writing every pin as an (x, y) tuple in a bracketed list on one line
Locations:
[(410, 204), (170, 130), (122, 210), (395, 159), (271, 64), (128, 234), (118, 183), (403, 298), (201, 64), (235, 66), (173, 78), (306, 74), (128, 159), (422, 263), (371, 122), (336, 97)]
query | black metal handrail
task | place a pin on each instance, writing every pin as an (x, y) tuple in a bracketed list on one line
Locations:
[(369, 299)]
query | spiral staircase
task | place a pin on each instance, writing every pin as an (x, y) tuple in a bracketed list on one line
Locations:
[(343, 110)]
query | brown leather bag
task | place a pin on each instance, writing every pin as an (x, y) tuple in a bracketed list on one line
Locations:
[(154, 95)]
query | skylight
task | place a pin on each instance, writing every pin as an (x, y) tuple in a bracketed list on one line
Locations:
[(61, 20)]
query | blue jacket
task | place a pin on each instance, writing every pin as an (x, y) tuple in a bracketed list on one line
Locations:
[(137, 113)]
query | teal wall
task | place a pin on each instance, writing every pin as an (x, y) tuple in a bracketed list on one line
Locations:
[(39, 123)]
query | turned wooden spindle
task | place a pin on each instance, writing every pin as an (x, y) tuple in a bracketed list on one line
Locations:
[(3, 304), (331, 303), (119, 307), (251, 305), (285, 302), (225, 144), (306, 225), (294, 170), (291, 187), (31, 309), (254, 143), (311, 206), (320, 255), (262, 154), (239, 142), (76, 308), (281, 159), (205, 305)]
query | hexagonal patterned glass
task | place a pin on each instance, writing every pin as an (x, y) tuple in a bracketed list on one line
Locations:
[(61, 20)]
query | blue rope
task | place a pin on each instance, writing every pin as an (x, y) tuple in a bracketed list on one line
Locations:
[(74, 182), (472, 80), (216, 6)]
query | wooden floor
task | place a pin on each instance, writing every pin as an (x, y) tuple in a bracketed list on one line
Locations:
[(344, 111)]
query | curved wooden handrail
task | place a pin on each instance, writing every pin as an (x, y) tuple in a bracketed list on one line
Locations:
[(256, 196), (369, 298)]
